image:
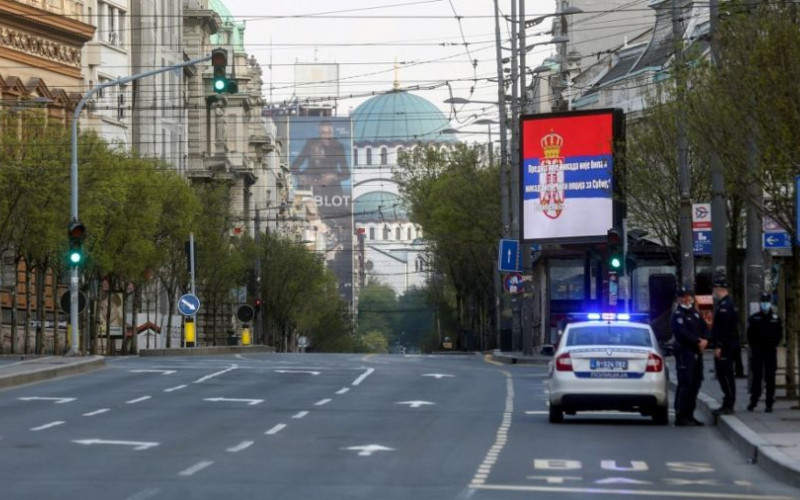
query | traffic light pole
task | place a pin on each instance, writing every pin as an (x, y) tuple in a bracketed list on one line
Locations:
[(74, 280)]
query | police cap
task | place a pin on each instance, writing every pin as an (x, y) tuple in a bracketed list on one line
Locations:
[(684, 291), (765, 297)]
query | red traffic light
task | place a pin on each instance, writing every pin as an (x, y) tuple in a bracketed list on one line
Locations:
[(76, 230), (219, 58)]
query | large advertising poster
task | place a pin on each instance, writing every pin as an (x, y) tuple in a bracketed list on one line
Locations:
[(319, 155), (567, 188)]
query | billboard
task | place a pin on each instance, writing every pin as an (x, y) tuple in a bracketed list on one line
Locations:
[(567, 176), (320, 149), (316, 80)]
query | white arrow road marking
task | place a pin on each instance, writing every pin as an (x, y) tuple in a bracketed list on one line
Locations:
[(162, 372), (363, 376), (195, 468), (250, 402), (415, 404), (310, 372), (241, 446), (369, 449), (138, 400), (54, 400), (96, 412), (438, 375), (275, 429), (47, 426), (137, 445)]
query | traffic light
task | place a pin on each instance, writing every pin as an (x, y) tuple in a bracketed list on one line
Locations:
[(219, 60), (220, 82), (258, 305), (615, 250), (76, 233)]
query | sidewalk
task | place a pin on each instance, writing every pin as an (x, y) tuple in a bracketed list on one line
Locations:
[(770, 440), (34, 369)]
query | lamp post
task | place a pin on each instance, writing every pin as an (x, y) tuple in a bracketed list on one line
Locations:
[(488, 122)]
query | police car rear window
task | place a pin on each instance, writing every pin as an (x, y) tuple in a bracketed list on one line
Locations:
[(609, 335)]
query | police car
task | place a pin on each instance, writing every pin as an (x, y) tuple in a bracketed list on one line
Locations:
[(608, 362)]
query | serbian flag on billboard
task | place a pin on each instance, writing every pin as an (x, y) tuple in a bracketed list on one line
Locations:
[(568, 175)]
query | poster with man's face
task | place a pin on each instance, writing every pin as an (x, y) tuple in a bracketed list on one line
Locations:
[(320, 151)]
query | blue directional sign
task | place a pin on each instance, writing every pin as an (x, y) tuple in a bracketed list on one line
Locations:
[(702, 242), (508, 258), (773, 241), (188, 304)]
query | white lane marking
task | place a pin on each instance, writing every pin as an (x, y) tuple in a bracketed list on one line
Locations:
[(138, 400), (369, 449), (343, 390), (485, 468), (322, 402), (47, 426), (415, 404), (300, 414), (310, 372), (145, 494), (250, 402), (96, 412), (217, 374), (275, 429), (537, 412), (363, 376), (137, 445), (608, 491), (57, 401), (162, 372), (438, 375), (176, 388), (195, 468), (241, 446)]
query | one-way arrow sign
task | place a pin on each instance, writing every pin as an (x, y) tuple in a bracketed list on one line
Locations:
[(137, 445), (415, 404), (369, 449), (250, 402), (508, 258)]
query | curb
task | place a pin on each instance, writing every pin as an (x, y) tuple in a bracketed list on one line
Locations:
[(513, 360), (49, 372), (758, 451), (204, 351)]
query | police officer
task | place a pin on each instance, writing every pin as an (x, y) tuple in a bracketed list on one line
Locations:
[(725, 340), (690, 331), (764, 334)]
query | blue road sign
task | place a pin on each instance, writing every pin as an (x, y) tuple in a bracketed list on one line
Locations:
[(771, 241), (508, 258), (188, 304), (702, 242)]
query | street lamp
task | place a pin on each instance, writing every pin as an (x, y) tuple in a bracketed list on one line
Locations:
[(488, 122), (565, 12)]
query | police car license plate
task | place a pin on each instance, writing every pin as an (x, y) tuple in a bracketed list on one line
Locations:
[(608, 364)]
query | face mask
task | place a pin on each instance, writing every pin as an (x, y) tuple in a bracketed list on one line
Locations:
[(687, 305), (766, 306)]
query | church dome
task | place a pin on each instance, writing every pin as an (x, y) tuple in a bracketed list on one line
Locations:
[(379, 207), (399, 117)]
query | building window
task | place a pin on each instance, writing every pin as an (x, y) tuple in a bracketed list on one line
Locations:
[(355, 156), (398, 234), (410, 235), (400, 151), (386, 232), (369, 156), (384, 156), (372, 233)]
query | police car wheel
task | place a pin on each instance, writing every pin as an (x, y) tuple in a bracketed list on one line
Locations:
[(556, 414), (661, 415)]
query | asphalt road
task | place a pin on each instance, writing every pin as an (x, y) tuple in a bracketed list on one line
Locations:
[(343, 427)]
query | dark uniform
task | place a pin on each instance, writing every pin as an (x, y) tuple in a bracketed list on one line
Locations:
[(764, 334), (725, 336), (688, 327)]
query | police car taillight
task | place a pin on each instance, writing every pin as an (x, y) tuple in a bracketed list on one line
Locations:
[(655, 363), (564, 363)]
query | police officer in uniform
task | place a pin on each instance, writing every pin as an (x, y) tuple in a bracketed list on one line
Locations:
[(764, 334), (690, 331), (725, 340)]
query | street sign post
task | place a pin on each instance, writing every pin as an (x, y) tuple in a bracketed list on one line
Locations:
[(701, 228), (508, 256), (188, 304)]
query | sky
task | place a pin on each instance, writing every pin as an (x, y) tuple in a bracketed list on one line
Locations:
[(365, 37)]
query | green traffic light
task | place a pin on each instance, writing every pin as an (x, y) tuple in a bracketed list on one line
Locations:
[(75, 257), (615, 262), (220, 84)]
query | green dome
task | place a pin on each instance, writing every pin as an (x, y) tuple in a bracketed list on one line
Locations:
[(379, 206), (398, 116), (228, 22)]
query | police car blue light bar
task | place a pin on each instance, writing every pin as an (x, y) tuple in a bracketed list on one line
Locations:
[(593, 316)]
